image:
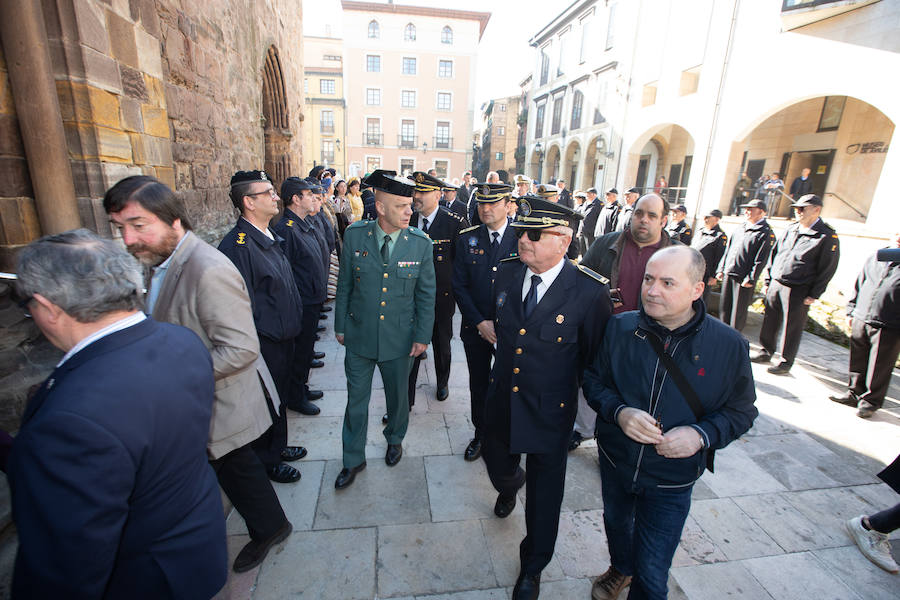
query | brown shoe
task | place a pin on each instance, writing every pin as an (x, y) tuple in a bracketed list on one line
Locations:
[(609, 585)]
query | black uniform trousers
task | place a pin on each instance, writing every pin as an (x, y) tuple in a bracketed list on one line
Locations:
[(279, 357), (303, 354), (440, 347), (734, 299), (873, 352), (785, 313), (244, 481), (479, 354)]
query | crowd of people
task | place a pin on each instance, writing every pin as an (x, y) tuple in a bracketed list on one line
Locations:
[(580, 318)]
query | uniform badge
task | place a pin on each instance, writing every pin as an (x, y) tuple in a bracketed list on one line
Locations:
[(365, 253), (241, 237), (419, 178), (524, 208), (560, 319), (356, 253), (481, 252), (290, 223), (263, 176), (473, 242), (501, 298)]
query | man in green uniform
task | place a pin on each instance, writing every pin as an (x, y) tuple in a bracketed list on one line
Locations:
[(384, 315)]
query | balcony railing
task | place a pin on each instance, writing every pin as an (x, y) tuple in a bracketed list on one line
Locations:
[(442, 143), (325, 128), (373, 139), (327, 157), (407, 141)]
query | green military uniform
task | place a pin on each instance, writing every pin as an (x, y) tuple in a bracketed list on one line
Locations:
[(381, 309)]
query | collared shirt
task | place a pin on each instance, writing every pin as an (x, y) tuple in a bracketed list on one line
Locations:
[(631, 272), (430, 218), (547, 279), (101, 333), (809, 230), (159, 275), (380, 233), (499, 231), (265, 231)]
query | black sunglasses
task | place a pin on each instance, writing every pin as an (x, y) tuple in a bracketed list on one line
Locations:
[(535, 234)]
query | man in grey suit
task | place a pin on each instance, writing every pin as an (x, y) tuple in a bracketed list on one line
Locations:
[(196, 286)]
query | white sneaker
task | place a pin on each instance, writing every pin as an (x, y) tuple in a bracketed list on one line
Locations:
[(873, 544)]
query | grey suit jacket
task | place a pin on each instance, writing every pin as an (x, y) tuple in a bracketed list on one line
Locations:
[(203, 291)]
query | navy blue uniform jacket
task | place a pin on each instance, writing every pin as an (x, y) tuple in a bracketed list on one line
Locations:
[(302, 249), (112, 493), (540, 360)]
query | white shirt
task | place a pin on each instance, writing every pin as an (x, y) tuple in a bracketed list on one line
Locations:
[(547, 279), (429, 218), (101, 333), (807, 230), (266, 233), (501, 231)]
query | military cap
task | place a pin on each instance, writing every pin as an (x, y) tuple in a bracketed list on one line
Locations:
[(449, 188), (314, 185), (492, 192), (714, 213), (427, 183), (522, 179), (249, 177), (547, 190), (808, 200), (537, 213), (580, 194), (294, 185), (390, 182), (316, 171), (755, 203), (680, 208), (612, 191), (633, 190), (592, 190)]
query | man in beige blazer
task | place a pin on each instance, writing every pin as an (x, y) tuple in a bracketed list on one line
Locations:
[(196, 286)]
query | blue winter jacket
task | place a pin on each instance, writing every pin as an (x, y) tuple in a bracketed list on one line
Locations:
[(627, 373)]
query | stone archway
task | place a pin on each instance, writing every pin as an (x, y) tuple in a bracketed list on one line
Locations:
[(276, 128), (664, 150), (570, 171), (551, 165)]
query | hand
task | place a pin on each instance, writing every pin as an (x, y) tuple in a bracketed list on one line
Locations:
[(807, 301), (680, 442), (340, 338), (749, 284), (417, 349), (720, 276), (640, 426), (486, 331), (711, 281)]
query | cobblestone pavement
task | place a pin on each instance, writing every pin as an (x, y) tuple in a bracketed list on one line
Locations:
[(767, 525)]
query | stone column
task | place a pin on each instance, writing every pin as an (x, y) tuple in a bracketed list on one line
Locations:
[(37, 107)]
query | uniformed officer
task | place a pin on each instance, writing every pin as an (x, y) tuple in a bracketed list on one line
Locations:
[(451, 200), (711, 245), (523, 186), (678, 228), (549, 319), (631, 198), (442, 226), (803, 261), (324, 233), (383, 315), (550, 193), (304, 252), (609, 214), (591, 211), (277, 307), (746, 254), (478, 251)]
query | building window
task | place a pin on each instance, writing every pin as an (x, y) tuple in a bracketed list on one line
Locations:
[(577, 108), (407, 133), (327, 151), (442, 135), (409, 33), (545, 64), (648, 98), (373, 132), (326, 86), (611, 27), (305, 85), (326, 121), (409, 66), (446, 35), (690, 81), (445, 69), (501, 107), (408, 98), (444, 100), (442, 167), (374, 30), (563, 57), (501, 130), (407, 166), (373, 63), (587, 37), (331, 57), (557, 115), (372, 163), (373, 97), (539, 121), (498, 156)]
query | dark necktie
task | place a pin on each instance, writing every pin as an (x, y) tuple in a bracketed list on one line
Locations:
[(386, 250), (531, 298), (495, 246), (425, 225)]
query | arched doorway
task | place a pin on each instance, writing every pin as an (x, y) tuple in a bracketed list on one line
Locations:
[(551, 165), (276, 129), (570, 166), (666, 150)]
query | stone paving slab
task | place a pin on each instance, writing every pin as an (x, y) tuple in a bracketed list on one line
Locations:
[(789, 527), (459, 490), (797, 575), (738, 475), (732, 531), (868, 581), (503, 537), (582, 481), (718, 581), (492, 594), (800, 463), (581, 547), (696, 547)]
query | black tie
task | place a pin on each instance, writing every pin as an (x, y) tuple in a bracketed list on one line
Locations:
[(495, 246), (531, 298), (425, 225), (386, 250)]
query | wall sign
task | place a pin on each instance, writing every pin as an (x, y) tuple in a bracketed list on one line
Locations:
[(868, 148)]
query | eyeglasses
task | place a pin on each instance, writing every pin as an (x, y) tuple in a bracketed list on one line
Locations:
[(535, 234), (270, 192), (799, 209)]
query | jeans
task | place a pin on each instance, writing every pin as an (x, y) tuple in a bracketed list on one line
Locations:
[(643, 528)]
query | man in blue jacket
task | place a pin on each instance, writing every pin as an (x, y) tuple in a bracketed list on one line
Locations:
[(652, 446)]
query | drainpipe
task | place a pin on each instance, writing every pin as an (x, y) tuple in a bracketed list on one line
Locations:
[(37, 108)]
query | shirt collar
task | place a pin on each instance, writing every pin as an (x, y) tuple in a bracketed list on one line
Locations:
[(101, 333), (811, 228), (380, 233), (501, 230), (266, 233), (432, 215), (548, 276)]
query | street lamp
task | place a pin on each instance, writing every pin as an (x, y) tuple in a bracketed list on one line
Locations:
[(425, 147), (540, 153)]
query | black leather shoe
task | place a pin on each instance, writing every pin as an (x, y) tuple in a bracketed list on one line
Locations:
[(504, 506), (346, 476), (327, 308), (443, 393), (473, 450), (782, 368), (528, 587), (316, 364), (761, 357), (314, 395), (322, 316), (282, 473), (255, 552), (393, 455), (848, 399), (384, 419), (304, 407), (575, 440), (320, 328), (292, 453), (318, 355)]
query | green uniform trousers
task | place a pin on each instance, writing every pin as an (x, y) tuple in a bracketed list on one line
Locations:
[(359, 371)]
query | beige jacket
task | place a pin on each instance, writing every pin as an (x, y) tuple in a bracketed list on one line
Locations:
[(203, 291)]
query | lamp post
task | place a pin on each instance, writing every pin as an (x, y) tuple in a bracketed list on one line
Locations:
[(540, 154)]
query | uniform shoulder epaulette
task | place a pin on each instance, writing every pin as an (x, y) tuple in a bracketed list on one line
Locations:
[(468, 229), (593, 274), (450, 212), (419, 233), (289, 222), (509, 258), (358, 224)]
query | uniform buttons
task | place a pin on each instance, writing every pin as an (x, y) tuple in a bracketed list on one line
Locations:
[(381, 317), (515, 388), (518, 351), (559, 339), (385, 275), (516, 370), (446, 293), (383, 303), (491, 380), (383, 289), (493, 268), (562, 404), (521, 332)]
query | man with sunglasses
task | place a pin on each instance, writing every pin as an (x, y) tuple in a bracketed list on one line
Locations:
[(549, 320), (803, 261)]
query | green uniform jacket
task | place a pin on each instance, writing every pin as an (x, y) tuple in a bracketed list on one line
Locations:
[(382, 311)]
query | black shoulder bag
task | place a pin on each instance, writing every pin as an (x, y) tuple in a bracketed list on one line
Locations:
[(684, 387)]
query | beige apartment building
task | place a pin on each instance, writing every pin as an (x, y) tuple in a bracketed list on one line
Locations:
[(410, 72), (500, 137), (324, 140)]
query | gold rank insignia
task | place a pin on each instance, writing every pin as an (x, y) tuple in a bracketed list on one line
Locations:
[(241, 237), (560, 319), (290, 223)]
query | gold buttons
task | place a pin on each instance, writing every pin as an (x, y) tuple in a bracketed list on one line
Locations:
[(562, 404), (515, 388), (383, 289), (518, 351), (357, 268), (381, 317), (559, 339), (521, 332), (516, 370), (383, 303), (385, 275)]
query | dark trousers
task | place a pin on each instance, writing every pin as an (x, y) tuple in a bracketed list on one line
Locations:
[(734, 301), (440, 349), (303, 353), (243, 479), (545, 480), (887, 520), (279, 357), (643, 528), (873, 352), (479, 354), (785, 314)]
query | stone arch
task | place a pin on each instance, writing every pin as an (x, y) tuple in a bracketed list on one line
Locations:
[(551, 164), (597, 163), (276, 117), (570, 172), (666, 149)]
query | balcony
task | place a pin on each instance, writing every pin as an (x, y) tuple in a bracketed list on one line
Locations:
[(373, 139), (326, 128), (407, 141), (442, 143), (797, 13)]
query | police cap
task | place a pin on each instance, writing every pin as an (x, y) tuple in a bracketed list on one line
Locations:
[(808, 200), (492, 192), (427, 183), (249, 177), (537, 213)]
